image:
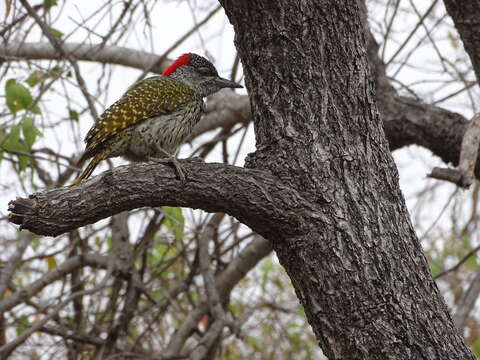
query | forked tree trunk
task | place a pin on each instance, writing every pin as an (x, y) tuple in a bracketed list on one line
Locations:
[(356, 265)]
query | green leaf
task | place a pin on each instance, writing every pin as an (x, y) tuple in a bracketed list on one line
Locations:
[(56, 33), (30, 132), (436, 264), (157, 294), (12, 141), (35, 77), (471, 263), (3, 135), (19, 97), (51, 262), (10, 94), (55, 71), (163, 252), (35, 243), (14, 144), (22, 325), (50, 3), (266, 268), (254, 341), (73, 115), (23, 162), (236, 308), (174, 221), (476, 347), (109, 242), (435, 269), (18, 93)]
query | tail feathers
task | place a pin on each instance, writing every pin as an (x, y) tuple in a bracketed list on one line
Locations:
[(89, 169)]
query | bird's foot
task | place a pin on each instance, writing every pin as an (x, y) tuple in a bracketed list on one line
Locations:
[(176, 164)]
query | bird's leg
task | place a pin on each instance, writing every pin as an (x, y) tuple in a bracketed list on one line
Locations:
[(195, 158), (170, 159)]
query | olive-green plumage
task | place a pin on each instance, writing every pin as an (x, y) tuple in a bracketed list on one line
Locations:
[(154, 116), (119, 125)]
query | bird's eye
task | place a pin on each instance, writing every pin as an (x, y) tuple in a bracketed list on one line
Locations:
[(204, 70)]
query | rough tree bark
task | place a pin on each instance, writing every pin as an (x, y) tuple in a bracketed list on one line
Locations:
[(465, 16), (322, 186), (358, 270)]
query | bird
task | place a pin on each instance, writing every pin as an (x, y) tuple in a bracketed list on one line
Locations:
[(154, 116)]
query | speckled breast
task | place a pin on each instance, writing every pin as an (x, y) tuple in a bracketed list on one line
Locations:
[(163, 133)]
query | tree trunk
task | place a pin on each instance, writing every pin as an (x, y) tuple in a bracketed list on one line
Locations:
[(357, 267), (465, 15)]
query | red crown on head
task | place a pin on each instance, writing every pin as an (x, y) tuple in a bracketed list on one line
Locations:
[(182, 60)]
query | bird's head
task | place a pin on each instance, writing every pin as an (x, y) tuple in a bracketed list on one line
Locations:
[(199, 74)]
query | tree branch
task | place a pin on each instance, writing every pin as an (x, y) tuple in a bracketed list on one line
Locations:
[(236, 270), (468, 302), (58, 48), (254, 197), (13, 263), (61, 271), (106, 55)]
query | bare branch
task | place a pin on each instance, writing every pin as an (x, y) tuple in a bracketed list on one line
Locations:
[(233, 273), (224, 109), (254, 197), (106, 55), (58, 47), (7, 349), (457, 265), (468, 302), (446, 174), (62, 270), (12, 264), (213, 298)]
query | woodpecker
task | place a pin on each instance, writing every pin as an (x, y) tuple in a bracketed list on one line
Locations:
[(154, 116)]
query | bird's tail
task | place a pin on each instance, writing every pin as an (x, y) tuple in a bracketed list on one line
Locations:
[(89, 169)]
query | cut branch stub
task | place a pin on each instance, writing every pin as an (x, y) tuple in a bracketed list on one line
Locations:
[(464, 176), (454, 176), (20, 208)]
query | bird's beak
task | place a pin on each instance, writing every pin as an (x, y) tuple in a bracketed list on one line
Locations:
[(225, 83)]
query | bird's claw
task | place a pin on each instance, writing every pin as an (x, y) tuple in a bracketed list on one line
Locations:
[(176, 164)]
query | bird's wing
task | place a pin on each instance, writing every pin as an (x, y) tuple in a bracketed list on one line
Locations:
[(154, 96)]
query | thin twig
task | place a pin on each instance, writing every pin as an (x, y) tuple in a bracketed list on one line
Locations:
[(460, 263), (429, 10), (7, 349), (58, 46)]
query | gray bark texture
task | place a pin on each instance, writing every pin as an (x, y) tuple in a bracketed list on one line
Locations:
[(322, 185), (464, 14), (358, 270)]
